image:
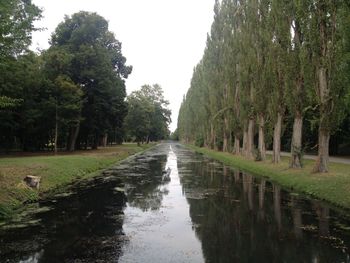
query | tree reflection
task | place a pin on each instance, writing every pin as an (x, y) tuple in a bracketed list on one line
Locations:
[(277, 205), (262, 187), (80, 227), (297, 219), (146, 190), (245, 223), (323, 218)]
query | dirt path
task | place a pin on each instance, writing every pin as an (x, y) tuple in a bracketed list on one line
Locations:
[(332, 159)]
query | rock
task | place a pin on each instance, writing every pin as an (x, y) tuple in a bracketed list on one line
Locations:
[(32, 181)]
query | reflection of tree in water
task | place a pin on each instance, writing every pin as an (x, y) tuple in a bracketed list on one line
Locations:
[(87, 225), (251, 220), (81, 227), (146, 190)]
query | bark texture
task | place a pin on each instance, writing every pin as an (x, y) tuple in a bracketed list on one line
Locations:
[(276, 153), (225, 136), (56, 135), (321, 165), (250, 139), (245, 138), (212, 137), (104, 140), (296, 146), (236, 148), (73, 135), (261, 143)]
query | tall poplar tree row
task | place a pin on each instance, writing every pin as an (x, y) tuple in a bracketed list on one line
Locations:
[(266, 63)]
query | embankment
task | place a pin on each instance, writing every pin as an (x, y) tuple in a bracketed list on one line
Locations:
[(333, 187), (55, 172)]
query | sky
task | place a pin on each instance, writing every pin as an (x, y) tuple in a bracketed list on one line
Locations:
[(162, 39)]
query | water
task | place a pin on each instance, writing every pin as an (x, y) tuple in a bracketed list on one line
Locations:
[(206, 212)]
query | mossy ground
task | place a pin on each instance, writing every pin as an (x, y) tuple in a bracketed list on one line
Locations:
[(55, 171), (333, 187)]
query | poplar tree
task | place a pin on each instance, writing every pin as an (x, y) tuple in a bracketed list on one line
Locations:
[(297, 91), (280, 49), (326, 27)]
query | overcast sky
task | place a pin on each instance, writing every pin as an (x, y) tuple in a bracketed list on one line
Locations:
[(162, 39)]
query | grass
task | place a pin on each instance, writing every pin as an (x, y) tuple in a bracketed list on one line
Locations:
[(333, 187), (55, 171)]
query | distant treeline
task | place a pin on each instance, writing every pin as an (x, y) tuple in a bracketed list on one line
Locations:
[(71, 95), (273, 74)]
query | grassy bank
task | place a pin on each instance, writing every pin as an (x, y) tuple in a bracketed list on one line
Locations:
[(333, 187), (55, 171)]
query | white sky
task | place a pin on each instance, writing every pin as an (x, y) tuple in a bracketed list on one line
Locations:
[(162, 39)]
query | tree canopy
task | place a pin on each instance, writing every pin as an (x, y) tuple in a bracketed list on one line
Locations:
[(148, 114), (70, 95), (269, 67)]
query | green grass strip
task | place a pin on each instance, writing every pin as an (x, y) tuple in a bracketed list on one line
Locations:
[(333, 187)]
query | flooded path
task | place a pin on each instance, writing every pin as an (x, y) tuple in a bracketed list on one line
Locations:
[(200, 211)]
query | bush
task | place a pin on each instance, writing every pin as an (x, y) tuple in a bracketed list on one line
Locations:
[(199, 141)]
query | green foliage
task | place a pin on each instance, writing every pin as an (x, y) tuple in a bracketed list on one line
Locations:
[(16, 26), (262, 59), (199, 141), (96, 64), (6, 102), (148, 114), (75, 90), (174, 135)]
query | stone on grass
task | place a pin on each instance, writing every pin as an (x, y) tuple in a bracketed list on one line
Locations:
[(32, 181)]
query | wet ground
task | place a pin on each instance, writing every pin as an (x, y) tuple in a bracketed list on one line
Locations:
[(201, 211)]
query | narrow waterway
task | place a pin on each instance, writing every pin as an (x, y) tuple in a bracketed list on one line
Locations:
[(198, 210)]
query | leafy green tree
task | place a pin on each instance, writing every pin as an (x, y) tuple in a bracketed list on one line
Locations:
[(68, 104), (98, 67), (148, 114), (280, 46), (328, 21), (137, 120), (297, 91), (6, 102), (16, 26), (275, 63)]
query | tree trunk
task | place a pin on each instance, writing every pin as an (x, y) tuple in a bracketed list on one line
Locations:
[(236, 146), (321, 165), (225, 142), (104, 140), (295, 161), (95, 142), (250, 140), (215, 146), (207, 139), (73, 135), (56, 135), (261, 144), (212, 136), (276, 154), (245, 138), (225, 136)]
